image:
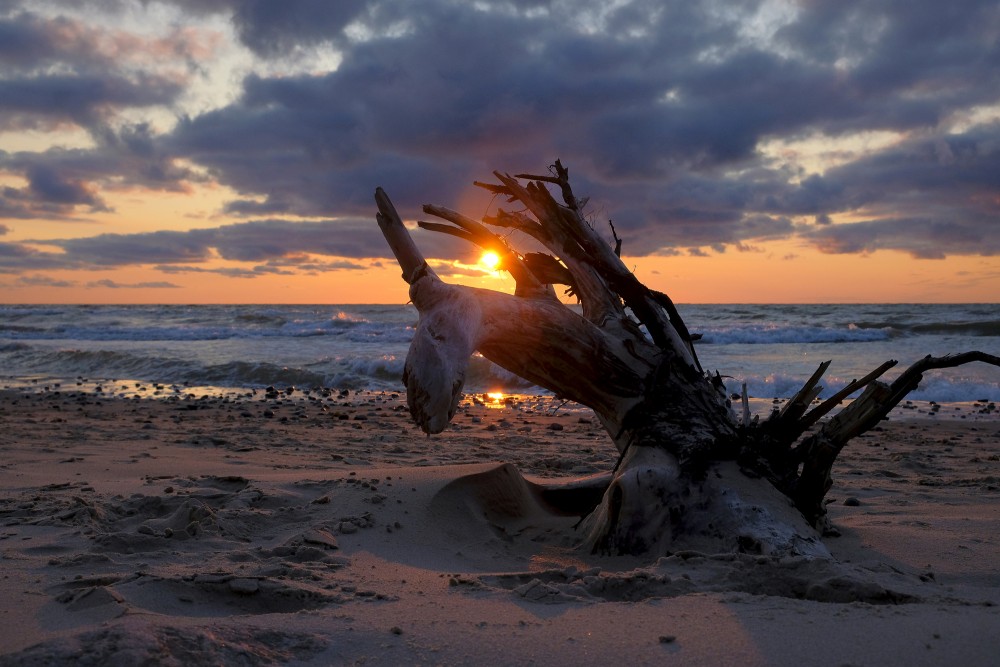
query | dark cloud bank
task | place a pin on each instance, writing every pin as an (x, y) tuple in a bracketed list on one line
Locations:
[(659, 108)]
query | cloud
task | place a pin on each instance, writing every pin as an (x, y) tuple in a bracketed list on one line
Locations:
[(303, 264), (280, 245), (930, 197), (43, 281), (228, 271), (111, 284), (653, 122), (62, 183), (660, 109), (453, 268), (59, 68), (921, 238), (40, 101), (271, 28), (17, 257), (50, 186)]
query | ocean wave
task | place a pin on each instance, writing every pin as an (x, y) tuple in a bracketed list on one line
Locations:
[(20, 329), (980, 329), (977, 328), (22, 360), (941, 389), (125, 333), (354, 331), (771, 335), (385, 372), (108, 364), (364, 347), (358, 330), (260, 319), (255, 374), (20, 312)]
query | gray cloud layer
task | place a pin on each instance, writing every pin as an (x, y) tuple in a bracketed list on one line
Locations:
[(275, 246), (659, 108)]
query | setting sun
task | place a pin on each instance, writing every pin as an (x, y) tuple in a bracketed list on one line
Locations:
[(490, 260)]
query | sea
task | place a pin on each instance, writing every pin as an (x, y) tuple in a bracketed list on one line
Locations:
[(219, 348)]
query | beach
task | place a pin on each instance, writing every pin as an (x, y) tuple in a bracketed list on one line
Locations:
[(322, 528)]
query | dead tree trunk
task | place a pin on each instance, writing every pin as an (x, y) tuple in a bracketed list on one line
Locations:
[(691, 473)]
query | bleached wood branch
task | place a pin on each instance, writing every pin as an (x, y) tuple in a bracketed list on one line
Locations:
[(819, 451), (538, 339)]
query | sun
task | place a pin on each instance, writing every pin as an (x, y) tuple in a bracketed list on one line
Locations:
[(490, 260)]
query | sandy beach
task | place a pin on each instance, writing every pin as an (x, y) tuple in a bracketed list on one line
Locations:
[(326, 529)]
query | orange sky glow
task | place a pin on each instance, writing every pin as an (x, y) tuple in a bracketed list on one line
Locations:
[(173, 153), (771, 271)]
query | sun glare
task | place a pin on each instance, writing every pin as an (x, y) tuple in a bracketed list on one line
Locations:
[(495, 400), (490, 260)]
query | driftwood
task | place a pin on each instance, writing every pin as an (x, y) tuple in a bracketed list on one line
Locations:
[(690, 472)]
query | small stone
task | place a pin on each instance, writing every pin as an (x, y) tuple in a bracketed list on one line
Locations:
[(244, 586), (852, 502), (667, 639), (396, 630), (320, 537)]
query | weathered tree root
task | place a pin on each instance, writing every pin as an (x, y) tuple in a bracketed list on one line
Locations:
[(630, 357)]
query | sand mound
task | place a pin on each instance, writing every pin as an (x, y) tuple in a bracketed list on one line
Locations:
[(142, 643)]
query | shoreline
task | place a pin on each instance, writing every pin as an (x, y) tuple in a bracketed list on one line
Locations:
[(202, 531), (974, 410)]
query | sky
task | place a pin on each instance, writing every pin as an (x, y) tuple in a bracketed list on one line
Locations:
[(227, 151)]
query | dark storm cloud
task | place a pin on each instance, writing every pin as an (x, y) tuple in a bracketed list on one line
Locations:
[(269, 239), (42, 100), (279, 245), (55, 69), (16, 257), (940, 49), (650, 123), (659, 108), (923, 238), (48, 185), (24, 41), (61, 180), (30, 43), (299, 264), (270, 27), (929, 197)]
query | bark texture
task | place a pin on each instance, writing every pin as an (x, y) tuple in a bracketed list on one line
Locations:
[(692, 473)]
